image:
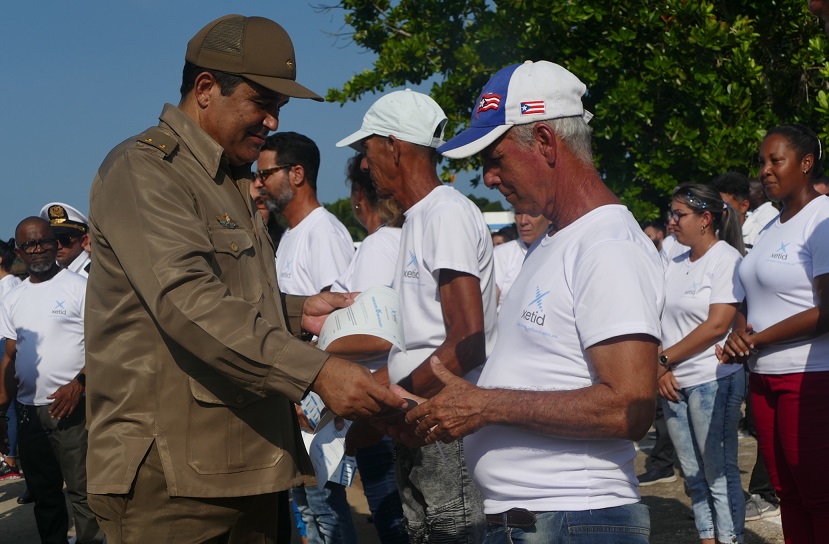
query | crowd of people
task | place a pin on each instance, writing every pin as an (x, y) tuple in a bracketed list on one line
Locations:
[(157, 352)]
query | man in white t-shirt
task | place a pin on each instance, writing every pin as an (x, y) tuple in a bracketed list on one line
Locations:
[(317, 247), (571, 382), (42, 320), (509, 256), (447, 290), (71, 229), (313, 252), (761, 212)]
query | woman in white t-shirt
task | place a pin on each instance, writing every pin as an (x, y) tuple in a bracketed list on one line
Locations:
[(8, 464), (782, 329), (373, 264), (701, 398)]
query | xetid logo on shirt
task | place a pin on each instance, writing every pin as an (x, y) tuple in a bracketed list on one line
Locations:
[(286, 272), (59, 308), (693, 289), (412, 269), (781, 254), (535, 309)]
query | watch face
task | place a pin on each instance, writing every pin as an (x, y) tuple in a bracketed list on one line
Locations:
[(663, 360)]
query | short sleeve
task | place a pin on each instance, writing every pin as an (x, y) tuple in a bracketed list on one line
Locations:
[(450, 240), (616, 291), (7, 329)]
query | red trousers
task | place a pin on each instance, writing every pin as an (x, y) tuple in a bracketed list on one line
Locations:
[(791, 412)]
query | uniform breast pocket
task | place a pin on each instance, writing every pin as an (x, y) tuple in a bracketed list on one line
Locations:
[(236, 262)]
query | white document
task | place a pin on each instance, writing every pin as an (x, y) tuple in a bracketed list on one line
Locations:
[(376, 311), (326, 447)]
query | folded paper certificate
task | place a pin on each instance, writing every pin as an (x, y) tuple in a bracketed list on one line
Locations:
[(326, 447), (376, 312)]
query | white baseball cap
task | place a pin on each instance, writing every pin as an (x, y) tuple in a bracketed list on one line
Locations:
[(518, 95), (407, 115)]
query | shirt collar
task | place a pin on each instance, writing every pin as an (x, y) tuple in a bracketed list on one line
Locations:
[(205, 149)]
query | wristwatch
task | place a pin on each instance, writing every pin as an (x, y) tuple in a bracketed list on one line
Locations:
[(81, 377), (663, 360)]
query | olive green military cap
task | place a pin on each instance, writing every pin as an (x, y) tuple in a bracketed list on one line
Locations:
[(255, 48)]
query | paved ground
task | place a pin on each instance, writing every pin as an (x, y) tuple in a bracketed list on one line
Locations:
[(670, 511)]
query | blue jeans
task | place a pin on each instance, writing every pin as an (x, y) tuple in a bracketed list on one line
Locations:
[(440, 501), (376, 466), (703, 427), (326, 514), (629, 524)]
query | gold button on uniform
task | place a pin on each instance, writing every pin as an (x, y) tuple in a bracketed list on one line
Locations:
[(234, 246)]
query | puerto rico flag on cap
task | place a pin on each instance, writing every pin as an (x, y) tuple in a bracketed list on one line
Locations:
[(516, 95)]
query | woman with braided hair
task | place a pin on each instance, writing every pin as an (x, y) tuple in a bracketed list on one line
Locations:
[(781, 332)]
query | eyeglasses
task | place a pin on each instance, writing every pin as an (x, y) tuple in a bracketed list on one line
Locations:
[(66, 240), (45, 244), (263, 174), (677, 215)]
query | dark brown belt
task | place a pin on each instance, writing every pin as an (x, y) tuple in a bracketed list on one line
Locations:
[(514, 517)]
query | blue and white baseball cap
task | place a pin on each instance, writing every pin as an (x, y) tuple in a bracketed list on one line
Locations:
[(517, 95), (407, 115)]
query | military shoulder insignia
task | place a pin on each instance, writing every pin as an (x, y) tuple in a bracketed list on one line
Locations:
[(226, 221), (159, 139)]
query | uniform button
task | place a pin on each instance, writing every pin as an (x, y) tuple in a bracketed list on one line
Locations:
[(240, 398), (234, 246)]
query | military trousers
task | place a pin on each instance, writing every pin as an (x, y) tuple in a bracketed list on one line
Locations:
[(147, 514)]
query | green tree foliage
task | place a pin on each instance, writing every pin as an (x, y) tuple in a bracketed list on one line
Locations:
[(682, 89), (486, 205), (342, 211)]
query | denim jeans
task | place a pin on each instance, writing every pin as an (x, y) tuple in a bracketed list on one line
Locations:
[(376, 466), (440, 501), (326, 514), (629, 524), (703, 427)]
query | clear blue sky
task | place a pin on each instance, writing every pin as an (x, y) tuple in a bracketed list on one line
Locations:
[(79, 77)]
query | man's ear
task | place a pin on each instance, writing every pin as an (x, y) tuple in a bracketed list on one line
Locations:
[(85, 242), (393, 147), (297, 175), (202, 88), (546, 141), (744, 206)]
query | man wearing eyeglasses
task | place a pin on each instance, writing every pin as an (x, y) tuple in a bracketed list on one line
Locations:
[(314, 251), (193, 367), (42, 320), (71, 229)]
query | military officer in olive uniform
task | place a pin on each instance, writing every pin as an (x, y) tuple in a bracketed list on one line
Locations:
[(191, 362)]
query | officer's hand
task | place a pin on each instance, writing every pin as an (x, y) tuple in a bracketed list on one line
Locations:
[(317, 308), (65, 400), (349, 390)]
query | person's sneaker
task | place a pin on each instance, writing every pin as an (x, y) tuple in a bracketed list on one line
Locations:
[(657, 477), (758, 508), (8, 472)]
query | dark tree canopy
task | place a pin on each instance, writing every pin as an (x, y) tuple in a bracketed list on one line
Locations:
[(682, 90)]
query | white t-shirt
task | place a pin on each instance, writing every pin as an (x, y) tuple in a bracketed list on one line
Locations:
[(80, 263), (508, 257), (671, 248), (312, 255), (756, 220), (445, 230), (690, 288), (778, 279), (373, 264), (46, 321), (7, 283), (596, 279)]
